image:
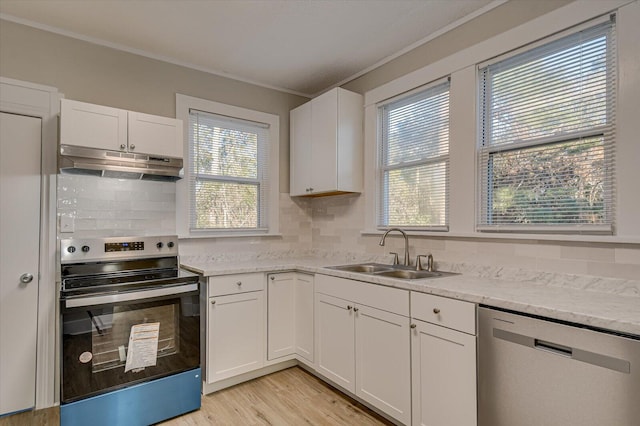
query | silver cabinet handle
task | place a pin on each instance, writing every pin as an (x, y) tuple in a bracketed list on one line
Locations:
[(26, 278), (355, 309), (436, 311), (310, 189), (349, 307), (413, 326), (122, 146), (132, 147), (239, 283), (272, 278), (213, 302)]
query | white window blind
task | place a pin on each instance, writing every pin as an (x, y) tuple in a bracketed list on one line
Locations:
[(228, 173), (546, 159), (414, 160)]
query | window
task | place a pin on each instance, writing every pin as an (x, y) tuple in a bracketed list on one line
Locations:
[(230, 170), (414, 160), (546, 159)]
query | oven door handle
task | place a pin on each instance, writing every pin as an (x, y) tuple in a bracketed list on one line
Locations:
[(127, 296)]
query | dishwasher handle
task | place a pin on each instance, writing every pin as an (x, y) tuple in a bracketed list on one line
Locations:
[(576, 354), (553, 348)]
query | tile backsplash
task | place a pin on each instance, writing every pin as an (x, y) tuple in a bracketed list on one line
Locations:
[(99, 207), (90, 206), (337, 224)]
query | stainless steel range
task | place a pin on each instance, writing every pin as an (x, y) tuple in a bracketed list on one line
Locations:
[(130, 325)]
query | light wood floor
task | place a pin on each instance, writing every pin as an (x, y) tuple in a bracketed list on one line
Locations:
[(289, 397), (46, 417)]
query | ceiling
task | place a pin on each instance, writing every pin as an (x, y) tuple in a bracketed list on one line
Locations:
[(300, 46)]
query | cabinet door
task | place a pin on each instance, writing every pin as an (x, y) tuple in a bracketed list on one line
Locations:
[(281, 321), (383, 361), (158, 136), (300, 147), (304, 316), (324, 154), (444, 376), (335, 336), (92, 126), (235, 335)]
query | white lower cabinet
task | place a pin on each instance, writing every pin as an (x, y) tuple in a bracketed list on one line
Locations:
[(383, 361), (235, 326), (290, 315), (416, 366), (443, 352), (281, 315), (335, 340), (362, 342), (303, 306)]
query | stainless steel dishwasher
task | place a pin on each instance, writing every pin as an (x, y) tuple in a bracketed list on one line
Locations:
[(535, 372)]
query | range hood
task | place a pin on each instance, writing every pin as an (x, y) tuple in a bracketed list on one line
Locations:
[(115, 164)]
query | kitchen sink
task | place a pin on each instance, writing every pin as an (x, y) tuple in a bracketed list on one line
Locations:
[(368, 268), (409, 274), (391, 271)]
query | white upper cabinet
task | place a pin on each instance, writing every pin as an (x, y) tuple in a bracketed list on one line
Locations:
[(97, 126), (152, 134), (92, 126), (300, 149), (327, 144)]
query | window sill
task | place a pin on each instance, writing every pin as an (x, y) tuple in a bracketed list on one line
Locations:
[(612, 239)]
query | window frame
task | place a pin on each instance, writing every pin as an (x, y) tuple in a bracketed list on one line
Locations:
[(486, 150), (185, 197), (381, 167)]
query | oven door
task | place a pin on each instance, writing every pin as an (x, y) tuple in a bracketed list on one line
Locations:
[(113, 341)]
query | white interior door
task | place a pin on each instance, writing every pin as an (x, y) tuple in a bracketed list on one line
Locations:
[(20, 151)]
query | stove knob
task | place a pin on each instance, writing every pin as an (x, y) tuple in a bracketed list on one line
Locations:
[(71, 249), (159, 245), (85, 249), (170, 244)]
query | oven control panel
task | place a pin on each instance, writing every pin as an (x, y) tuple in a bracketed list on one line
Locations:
[(73, 250), (125, 246)]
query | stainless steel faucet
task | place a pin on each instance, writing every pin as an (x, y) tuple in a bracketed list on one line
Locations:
[(406, 243)]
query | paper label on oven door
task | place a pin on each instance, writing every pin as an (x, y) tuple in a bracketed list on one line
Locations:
[(143, 346)]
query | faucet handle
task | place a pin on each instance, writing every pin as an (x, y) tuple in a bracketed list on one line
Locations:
[(429, 262), (395, 257)]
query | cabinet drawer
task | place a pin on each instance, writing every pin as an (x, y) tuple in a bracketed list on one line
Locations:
[(377, 296), (235, 284), (450, 313)]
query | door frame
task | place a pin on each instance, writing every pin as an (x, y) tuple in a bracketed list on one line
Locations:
[(36, 100)]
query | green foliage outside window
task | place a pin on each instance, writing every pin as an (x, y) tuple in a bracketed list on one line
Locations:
[(226, 188)]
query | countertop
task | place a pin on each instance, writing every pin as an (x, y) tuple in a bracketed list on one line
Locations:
[(598, 302)]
